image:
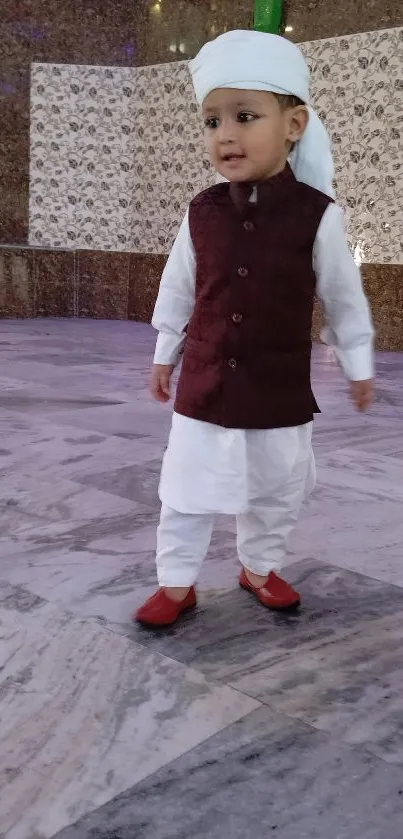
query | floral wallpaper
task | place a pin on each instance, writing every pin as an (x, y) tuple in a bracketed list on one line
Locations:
[(117, 153), (115, 156), (358, 92)]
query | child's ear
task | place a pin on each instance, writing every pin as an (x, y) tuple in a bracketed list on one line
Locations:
[(299, 118)]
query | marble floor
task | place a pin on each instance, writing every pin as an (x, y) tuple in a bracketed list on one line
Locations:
[(237, 722)]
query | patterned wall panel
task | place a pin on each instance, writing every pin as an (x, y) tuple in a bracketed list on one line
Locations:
[(82, 138), (117, 153), (358, 91)]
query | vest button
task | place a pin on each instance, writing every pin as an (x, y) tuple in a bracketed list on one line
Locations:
[(237, 318), (243, 272), (232, 363), (248, 226)]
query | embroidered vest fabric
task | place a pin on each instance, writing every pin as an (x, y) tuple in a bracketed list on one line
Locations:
[(247, 356)]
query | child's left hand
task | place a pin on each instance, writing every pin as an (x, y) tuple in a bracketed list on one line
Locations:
[(363, 394)]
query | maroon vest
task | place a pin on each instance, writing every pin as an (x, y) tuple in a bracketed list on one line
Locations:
[(247, 357)]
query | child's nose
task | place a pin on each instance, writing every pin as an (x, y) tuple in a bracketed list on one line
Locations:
[(227, 131)]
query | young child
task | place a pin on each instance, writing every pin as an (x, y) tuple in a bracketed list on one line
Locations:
[(237, 297)]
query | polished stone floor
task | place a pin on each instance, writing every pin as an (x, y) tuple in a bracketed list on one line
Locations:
[(238, 722)]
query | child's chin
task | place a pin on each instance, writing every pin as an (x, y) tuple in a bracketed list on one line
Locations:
[(233, 177), (240, 179)]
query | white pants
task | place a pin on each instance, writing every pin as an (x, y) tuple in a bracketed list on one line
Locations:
[(263, 531), (209, 469)]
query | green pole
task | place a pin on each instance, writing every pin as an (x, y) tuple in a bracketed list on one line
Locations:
[(268, 16)]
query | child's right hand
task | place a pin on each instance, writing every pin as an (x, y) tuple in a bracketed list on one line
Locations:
[(160, 384)]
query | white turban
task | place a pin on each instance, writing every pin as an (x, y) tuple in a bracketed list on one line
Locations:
[(249, 60)]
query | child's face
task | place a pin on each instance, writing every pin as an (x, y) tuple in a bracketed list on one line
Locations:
[(248, 134)]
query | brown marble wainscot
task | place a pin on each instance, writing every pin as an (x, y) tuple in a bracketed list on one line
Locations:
[(54, 276), (36, 283), (384, 287), (17, 285), (102, 284), (144, 280), (51, 283)]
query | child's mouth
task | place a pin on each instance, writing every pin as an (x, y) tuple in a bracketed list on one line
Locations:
[(233, 158)]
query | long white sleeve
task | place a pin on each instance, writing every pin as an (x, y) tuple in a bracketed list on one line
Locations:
[(176, 298), (349, 327)]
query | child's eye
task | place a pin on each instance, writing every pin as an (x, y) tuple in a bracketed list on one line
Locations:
[(245, 116), (211, 122)]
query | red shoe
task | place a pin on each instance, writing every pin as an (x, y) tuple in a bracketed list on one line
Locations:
[(280, 595), (160, 610)]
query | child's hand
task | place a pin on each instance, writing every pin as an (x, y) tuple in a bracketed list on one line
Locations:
[(160, 384), (362, 394)]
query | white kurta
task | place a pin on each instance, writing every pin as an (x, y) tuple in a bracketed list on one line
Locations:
[(209, 469)]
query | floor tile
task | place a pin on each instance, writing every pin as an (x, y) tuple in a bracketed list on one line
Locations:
[(360, 472), (26, 503), (351, 529), (91, 705), (335, 664), (132, 482), (39, 448), (126, 418), (263, 776), (105, 568), (86, 713)]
